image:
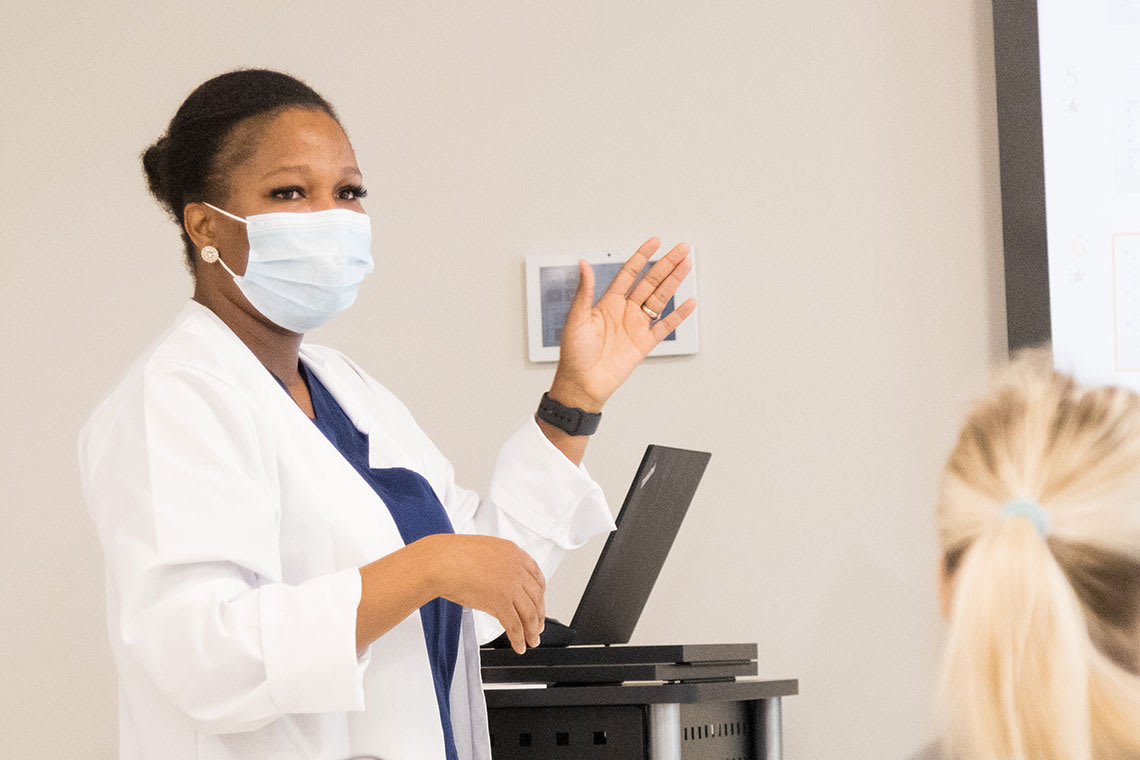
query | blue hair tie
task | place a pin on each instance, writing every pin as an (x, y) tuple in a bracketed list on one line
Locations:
[(1030, 509)]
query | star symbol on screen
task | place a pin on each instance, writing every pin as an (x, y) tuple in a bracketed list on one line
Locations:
[(1072, 106), (1078, 276)]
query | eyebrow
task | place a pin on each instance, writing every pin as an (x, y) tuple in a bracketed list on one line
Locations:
[(305, 168)]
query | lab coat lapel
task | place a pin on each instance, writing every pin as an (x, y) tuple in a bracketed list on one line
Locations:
[(360, 526), (348, 390), (363, 528), (339, 386)]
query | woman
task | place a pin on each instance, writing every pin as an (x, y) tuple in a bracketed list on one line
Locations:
[(272, 518), (1039, 522)]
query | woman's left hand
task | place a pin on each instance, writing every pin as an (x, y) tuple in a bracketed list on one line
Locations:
[(603, 342)]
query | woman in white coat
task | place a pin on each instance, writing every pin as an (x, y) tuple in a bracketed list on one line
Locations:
[(291, 567)]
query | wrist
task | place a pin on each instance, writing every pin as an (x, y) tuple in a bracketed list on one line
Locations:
[(570, 394), (571, 420)]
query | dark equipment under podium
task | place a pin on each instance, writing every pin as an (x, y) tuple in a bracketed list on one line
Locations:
[(701, 715)]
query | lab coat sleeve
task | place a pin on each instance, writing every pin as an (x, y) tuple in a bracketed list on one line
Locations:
[(182, 491), (542, 493)]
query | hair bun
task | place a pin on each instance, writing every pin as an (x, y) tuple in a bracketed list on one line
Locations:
[(156, 166)]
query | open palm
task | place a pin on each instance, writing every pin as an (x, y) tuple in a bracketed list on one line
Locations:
[(602, 343)]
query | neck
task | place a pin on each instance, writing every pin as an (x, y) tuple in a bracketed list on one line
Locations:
[(276, 348)]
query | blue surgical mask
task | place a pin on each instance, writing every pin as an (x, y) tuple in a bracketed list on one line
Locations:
[(304, 268)]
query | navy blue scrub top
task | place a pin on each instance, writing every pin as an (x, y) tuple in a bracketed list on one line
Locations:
[(417, 512)]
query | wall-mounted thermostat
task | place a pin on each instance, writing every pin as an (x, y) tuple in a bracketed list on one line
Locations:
[(552, 280)]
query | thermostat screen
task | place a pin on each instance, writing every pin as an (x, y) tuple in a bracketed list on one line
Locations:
[(558, 284)]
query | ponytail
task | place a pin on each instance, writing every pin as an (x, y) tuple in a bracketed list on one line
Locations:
[(1015, 678)]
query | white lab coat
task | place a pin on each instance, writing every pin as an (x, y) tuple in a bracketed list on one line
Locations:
[(233, 532)]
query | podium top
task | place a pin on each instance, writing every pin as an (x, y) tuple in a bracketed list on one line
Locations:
[(689, 654)]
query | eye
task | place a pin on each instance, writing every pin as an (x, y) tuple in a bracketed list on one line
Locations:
[(351, 193), (288, 193)]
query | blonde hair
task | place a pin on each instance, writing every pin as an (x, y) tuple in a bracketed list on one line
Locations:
[(1042, 650)]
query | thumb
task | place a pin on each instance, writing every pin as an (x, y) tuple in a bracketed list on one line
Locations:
[(584, 296)]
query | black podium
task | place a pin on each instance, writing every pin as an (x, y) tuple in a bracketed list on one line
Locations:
[(680, 702)]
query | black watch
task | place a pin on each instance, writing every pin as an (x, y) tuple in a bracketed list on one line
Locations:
[(571, 419)]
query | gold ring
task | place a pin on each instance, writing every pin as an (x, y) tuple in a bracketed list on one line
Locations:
[(652, 314)]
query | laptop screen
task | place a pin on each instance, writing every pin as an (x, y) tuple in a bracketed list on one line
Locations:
[(635, 553)]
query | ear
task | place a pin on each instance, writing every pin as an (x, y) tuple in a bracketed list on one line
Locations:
[(199, 225)]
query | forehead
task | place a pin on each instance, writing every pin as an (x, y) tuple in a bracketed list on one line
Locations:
[(297, 136)]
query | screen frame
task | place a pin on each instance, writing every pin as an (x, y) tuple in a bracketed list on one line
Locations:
[(685, 336), (1017, 64)]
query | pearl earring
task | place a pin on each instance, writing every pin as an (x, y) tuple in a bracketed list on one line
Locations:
[(209, 254)]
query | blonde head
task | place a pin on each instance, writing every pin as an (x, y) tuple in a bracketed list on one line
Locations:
[(1043, 645)]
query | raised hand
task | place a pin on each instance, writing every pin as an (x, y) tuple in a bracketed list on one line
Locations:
[(602, 343)]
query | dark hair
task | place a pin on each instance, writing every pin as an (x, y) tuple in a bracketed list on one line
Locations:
[(183, 165)]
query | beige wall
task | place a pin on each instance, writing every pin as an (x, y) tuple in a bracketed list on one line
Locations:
[(833, 163)]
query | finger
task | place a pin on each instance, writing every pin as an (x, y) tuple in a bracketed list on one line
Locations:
[(632, 268), (659, 298), (532, 623), (661, 329), (584, 295), (513, 625), (655, 276)]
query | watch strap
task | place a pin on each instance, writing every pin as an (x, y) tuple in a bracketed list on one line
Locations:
[(569, 419)]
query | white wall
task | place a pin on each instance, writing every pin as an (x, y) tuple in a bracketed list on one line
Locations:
[(835, 165)]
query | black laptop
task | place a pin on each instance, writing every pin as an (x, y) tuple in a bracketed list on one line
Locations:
[(633, 555)]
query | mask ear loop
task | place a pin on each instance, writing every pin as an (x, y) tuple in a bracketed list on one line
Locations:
[(210, 253), (227, 213)]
